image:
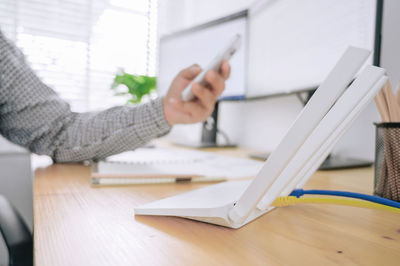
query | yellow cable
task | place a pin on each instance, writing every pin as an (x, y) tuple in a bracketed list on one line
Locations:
[(292, 200)]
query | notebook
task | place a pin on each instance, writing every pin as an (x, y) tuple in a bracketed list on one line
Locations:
[(327, 116), (166, 165)]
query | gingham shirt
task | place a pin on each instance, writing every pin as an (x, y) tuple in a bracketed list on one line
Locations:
[(34, 116)]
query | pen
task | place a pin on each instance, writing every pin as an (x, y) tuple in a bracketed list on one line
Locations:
[(143, 181), (388, 104)]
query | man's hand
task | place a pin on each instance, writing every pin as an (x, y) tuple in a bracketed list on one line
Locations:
[(178, 112)]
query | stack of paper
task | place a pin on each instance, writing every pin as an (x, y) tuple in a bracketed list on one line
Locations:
[(156, 163)]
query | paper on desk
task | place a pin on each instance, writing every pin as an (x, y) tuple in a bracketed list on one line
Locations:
[(163, 161)]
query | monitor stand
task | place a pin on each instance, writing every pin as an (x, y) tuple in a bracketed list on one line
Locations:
[(209, 134)]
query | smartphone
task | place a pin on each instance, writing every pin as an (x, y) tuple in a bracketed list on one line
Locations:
[(215, 65)]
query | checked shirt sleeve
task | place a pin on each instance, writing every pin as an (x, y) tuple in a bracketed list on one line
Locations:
[(34, 116)]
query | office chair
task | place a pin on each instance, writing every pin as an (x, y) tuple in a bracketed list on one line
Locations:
[(16, 234)]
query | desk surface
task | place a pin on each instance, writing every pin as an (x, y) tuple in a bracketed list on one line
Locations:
[(79, 225)]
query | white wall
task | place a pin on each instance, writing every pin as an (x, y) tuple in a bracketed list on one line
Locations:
[(261, 124)]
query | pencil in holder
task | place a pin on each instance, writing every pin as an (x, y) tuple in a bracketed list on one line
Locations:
[(387, 161)]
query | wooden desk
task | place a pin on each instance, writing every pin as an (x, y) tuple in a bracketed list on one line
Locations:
[(79, 225)]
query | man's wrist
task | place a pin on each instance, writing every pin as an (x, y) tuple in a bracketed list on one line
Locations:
[(166, 113)]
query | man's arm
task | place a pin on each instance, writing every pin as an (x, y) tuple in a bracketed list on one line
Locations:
[(32, 115)]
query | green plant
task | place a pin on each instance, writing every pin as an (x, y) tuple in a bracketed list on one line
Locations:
[(137, 86)]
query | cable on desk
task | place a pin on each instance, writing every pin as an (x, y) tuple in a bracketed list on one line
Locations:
[(292, 200), (300, 192)]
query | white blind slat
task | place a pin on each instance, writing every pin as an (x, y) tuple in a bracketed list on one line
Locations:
[(77, 46)]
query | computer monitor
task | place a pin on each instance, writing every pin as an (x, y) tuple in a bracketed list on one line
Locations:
[(343, 23), (293, 44), (289, 46), (199, 45)]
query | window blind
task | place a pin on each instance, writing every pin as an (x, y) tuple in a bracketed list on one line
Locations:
[(77, 46)]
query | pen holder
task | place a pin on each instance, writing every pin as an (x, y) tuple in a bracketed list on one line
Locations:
[(387, 161)]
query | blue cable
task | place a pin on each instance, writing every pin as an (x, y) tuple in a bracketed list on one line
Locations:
[(300, 192)]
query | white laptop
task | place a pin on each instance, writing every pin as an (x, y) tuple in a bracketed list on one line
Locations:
[(328, 114)]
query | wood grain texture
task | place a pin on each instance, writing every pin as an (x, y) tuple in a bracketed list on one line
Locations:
[(76, 224)]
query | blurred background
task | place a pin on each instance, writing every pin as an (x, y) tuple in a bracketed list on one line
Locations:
[(78, 46)]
